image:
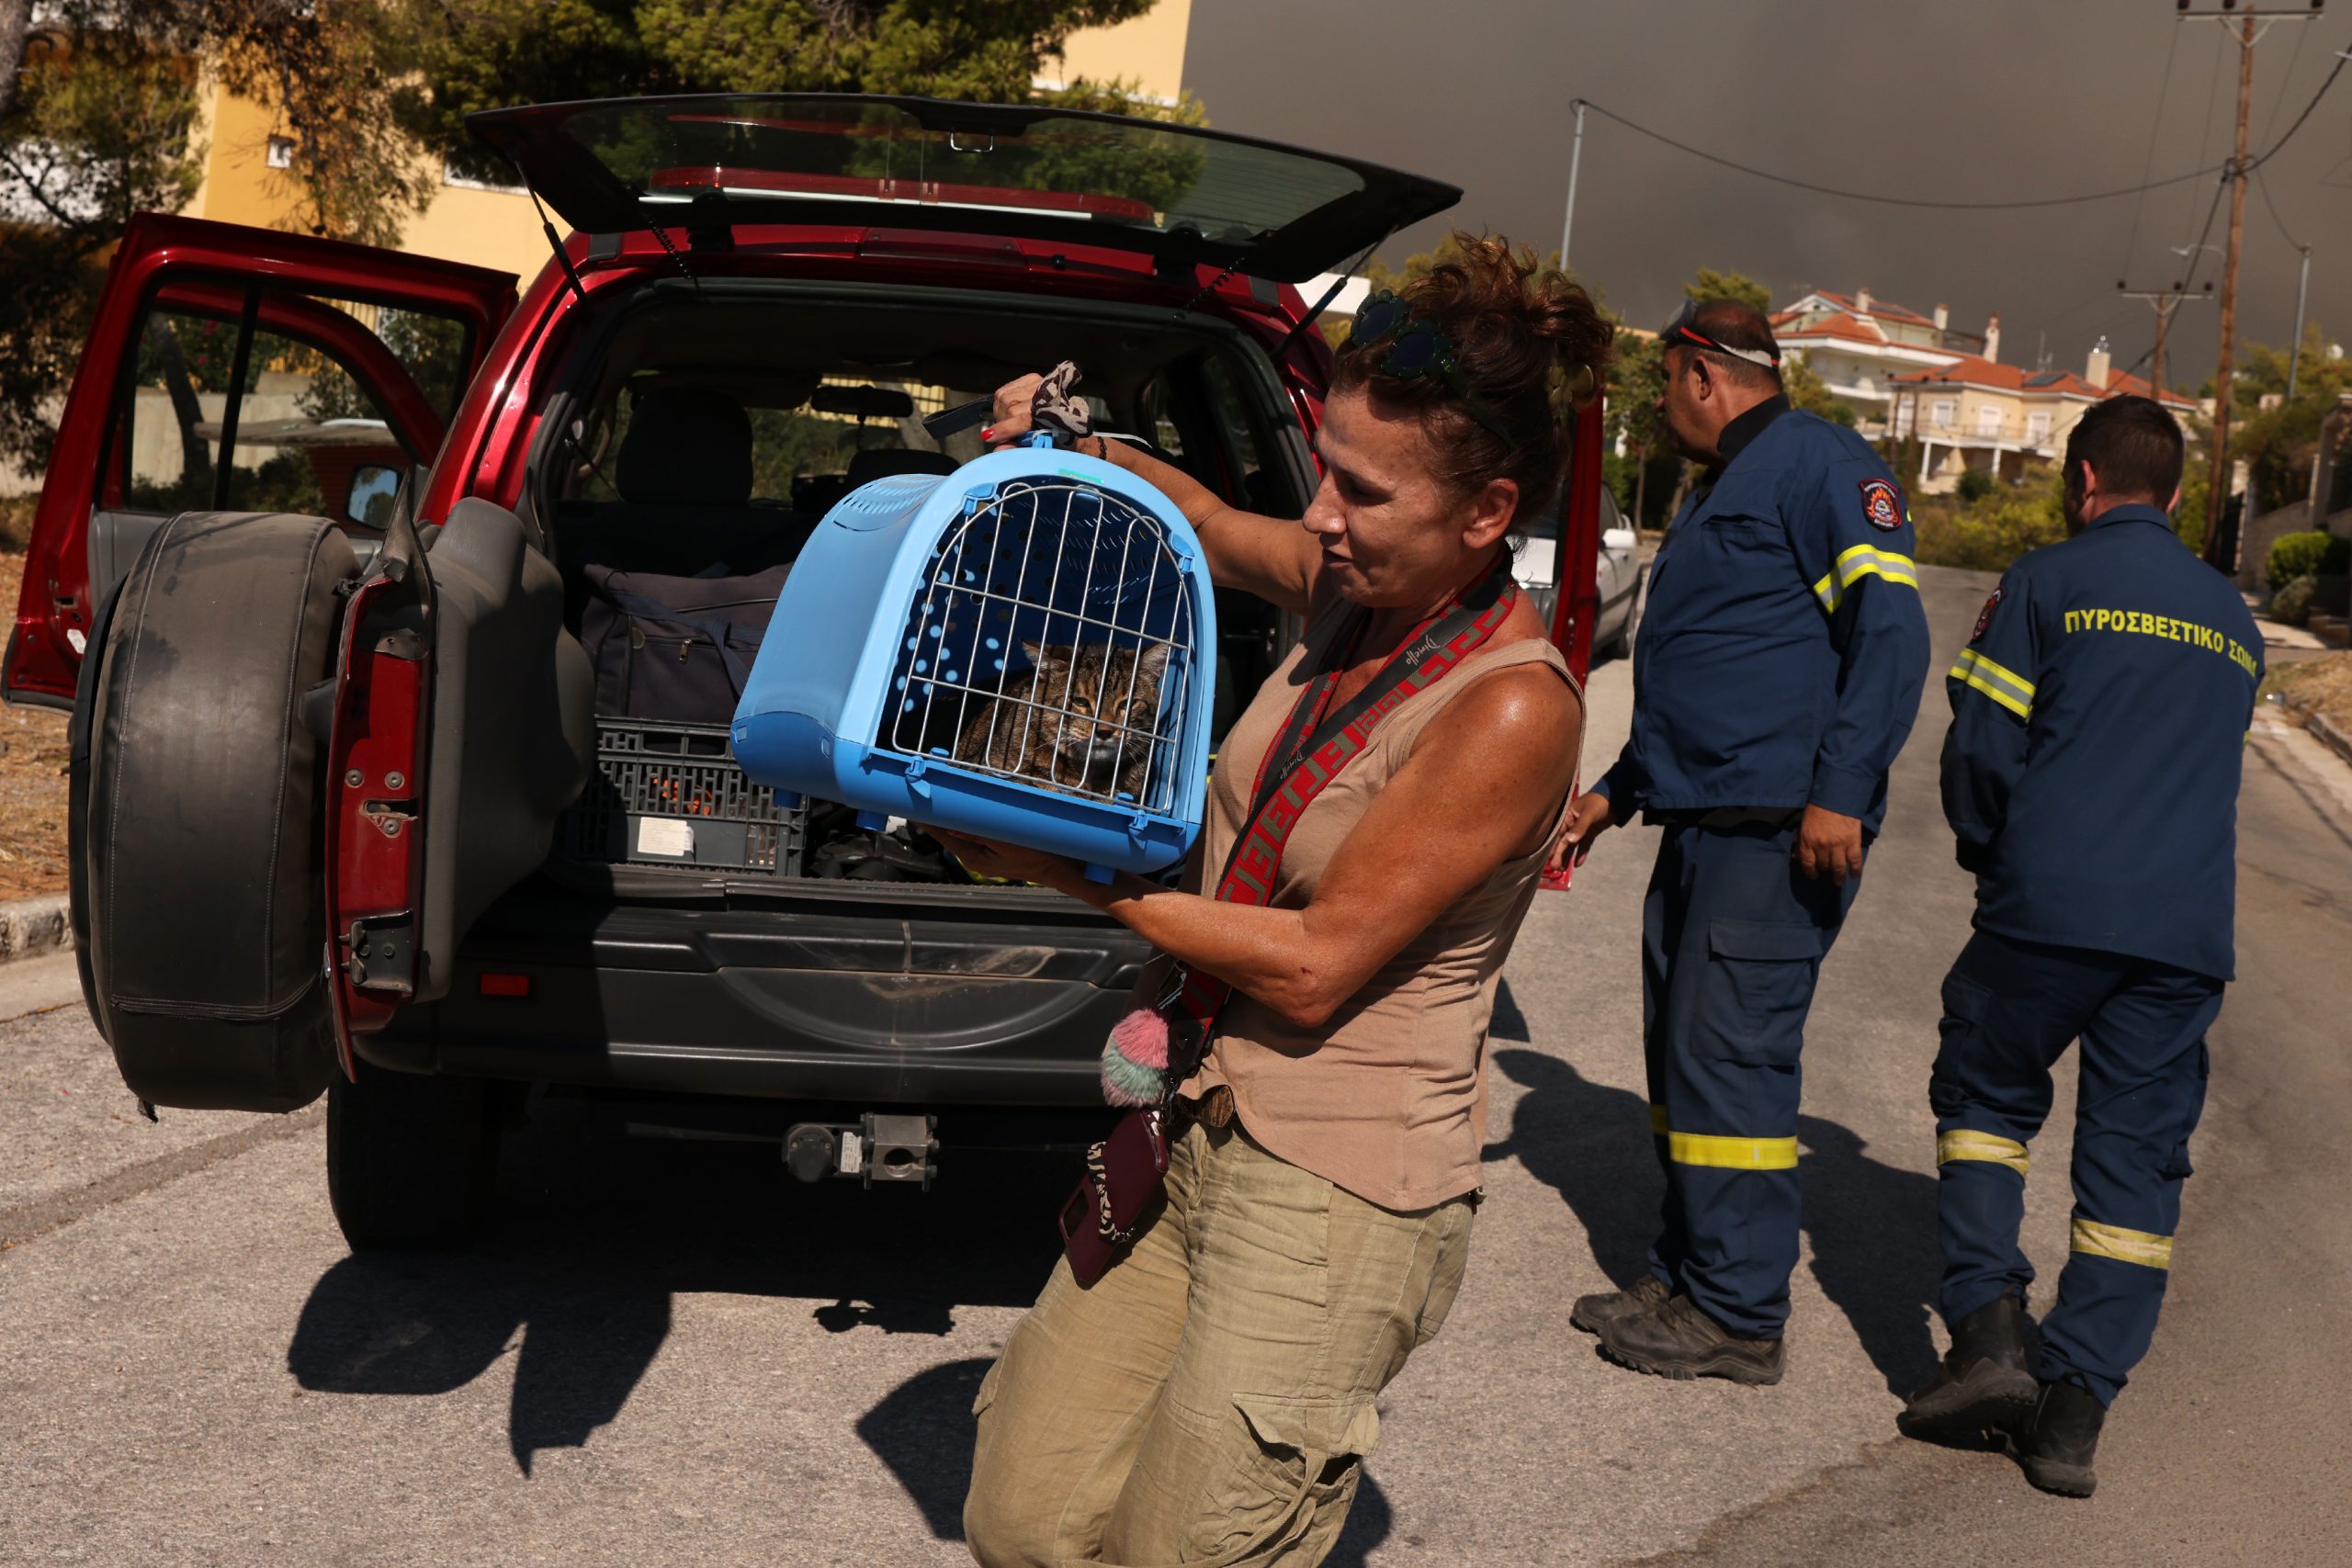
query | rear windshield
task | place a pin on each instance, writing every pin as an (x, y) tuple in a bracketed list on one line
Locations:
[(1124, 173)]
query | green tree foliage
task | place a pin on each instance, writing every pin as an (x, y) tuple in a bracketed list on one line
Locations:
[(100, 129), (2310, 553), (1708, 284), (1976, 485), (100, 124), (2278, 443), (1990, 532), (464, 55)]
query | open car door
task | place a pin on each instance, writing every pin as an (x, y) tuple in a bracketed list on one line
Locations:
[(225, 585)]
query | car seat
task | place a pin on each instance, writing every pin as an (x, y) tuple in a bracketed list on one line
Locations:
[(684, 472)]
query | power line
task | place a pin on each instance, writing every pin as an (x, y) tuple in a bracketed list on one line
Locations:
[(2302, 36), (2263, 186), (1753, 172), (2342, 55), (2213, 97), (2149, 167), (2223, 167)]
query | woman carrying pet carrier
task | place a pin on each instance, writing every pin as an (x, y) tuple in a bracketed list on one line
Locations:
[(1376, 824)]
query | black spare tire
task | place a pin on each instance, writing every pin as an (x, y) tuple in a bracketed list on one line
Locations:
[(196, 821)]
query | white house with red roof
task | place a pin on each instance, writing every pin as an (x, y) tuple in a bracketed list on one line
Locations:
[(1977, 412), (1857, 344)]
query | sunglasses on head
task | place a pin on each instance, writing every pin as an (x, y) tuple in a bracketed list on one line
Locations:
[(1683, 333), (1417, 350)]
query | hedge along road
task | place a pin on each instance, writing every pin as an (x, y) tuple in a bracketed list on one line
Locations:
[(670, 1353)]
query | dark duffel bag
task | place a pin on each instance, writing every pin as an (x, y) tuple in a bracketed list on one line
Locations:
[(674, 647)]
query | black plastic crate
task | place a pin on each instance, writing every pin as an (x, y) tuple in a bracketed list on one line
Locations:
[(671, 795)]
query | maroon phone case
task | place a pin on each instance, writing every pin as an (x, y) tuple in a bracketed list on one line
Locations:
[(1134, 1166)]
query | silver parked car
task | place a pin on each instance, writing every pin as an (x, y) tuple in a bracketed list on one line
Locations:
[(1617, 575)]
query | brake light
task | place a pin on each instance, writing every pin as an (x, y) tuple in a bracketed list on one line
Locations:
[(515, 986)]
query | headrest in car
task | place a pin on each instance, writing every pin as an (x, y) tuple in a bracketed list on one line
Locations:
[(685, 445), (881, 462)]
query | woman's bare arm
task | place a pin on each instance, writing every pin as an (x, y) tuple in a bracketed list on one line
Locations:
[(1265, 556), (1484, 785)]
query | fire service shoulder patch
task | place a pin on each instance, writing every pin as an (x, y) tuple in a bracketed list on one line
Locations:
[(1985, 618), (1882, 507)]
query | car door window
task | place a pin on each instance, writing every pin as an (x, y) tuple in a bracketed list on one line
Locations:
[(275, 401)]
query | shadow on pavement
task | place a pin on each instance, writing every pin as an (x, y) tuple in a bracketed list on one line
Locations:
[(923, 1431), (596, 1236), (1872, 1224)]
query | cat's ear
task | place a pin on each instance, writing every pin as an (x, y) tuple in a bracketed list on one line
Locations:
[(1036, 651), (1153, 661)]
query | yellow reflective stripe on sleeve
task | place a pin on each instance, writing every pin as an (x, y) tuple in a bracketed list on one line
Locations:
[(1658, 1121), (1861, 561), (1963, 1144), (2095, 1240), (1737, 1153), (2004, 686)]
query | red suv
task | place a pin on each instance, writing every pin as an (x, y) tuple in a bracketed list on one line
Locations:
[(368, 796)]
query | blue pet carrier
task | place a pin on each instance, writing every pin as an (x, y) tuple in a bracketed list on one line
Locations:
[(978, 653)]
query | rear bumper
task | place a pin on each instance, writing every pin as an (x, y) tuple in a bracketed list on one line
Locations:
[(867, 994)]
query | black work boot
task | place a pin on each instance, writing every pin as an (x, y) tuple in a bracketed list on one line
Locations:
[(1983, 1385), (2061, 1440), (1646, 1293), (1678, 1341)]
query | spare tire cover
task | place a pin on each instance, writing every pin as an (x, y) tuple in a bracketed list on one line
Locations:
[(200, 836)]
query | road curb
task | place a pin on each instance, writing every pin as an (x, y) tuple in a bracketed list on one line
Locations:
[(2329, 735), (30, 928)]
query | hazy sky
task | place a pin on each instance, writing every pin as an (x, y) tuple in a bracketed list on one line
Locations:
[(1950, 99)]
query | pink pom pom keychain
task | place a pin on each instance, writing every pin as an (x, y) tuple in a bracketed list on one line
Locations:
[(1134, 1059)]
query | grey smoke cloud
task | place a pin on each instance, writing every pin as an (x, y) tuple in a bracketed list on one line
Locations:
[(1955, 99)]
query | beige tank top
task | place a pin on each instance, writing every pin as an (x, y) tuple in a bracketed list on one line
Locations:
[(1388, 1099)]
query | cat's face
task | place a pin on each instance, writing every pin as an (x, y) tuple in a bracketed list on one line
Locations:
[(1112, 698)]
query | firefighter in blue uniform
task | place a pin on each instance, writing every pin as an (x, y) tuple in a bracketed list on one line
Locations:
[(2100, 714), (1777, 672)]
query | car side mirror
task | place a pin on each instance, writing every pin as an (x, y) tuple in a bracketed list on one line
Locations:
[(1618, 540), (374, 488)]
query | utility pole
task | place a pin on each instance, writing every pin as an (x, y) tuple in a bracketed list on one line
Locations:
[(1575, 156), (2217, 492), (2295, 354), (2164, 302)]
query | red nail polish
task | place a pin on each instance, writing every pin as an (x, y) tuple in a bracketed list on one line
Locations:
[(989, 433)]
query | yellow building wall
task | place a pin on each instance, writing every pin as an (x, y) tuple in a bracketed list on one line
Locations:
[(1148, 51), (486, 228), (239, 186)]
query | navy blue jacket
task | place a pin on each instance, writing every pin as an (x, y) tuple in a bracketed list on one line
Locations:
[(2098, 721), (1782, 650)]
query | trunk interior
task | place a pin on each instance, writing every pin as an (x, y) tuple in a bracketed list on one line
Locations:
[(696, 439)]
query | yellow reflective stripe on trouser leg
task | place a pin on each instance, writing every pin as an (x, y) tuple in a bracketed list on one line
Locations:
[(1962, 1143), (1658, 1121), (1734, 1154), (2006, 687), (2095, 1240), (1861, 561)]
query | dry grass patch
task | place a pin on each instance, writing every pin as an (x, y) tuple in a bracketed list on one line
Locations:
[(32, 779)]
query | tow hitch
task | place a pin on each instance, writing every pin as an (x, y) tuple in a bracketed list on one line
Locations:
[(879, 1148)]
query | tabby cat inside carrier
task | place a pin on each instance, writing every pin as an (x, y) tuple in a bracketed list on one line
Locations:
[(1082, 719)]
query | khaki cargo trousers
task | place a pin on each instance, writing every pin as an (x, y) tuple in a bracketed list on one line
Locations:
[(1210, 1400)]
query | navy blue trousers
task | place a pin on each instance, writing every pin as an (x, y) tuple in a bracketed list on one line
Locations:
[(1733, 935), (2011, 1008)]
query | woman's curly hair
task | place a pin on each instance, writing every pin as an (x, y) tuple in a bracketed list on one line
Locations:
[(1529, 341)]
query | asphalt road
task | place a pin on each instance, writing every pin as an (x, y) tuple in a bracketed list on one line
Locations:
[(670, 1353)]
